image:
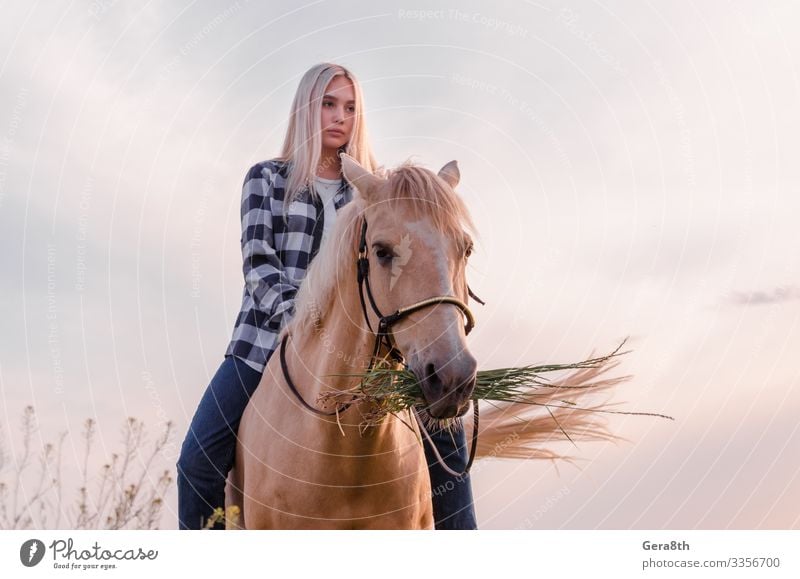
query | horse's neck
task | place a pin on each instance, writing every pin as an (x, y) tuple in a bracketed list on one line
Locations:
[(338, 346)]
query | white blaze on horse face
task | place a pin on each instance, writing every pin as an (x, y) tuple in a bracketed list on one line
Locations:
[(439, 283), (402, 255), (432, 241)]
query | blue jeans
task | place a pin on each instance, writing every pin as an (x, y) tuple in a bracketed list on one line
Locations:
[(208, 453), (452, 495)]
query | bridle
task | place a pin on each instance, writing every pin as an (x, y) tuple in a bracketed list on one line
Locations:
[(385, 337)]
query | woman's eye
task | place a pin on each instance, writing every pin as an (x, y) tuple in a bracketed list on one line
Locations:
[(468, 252)]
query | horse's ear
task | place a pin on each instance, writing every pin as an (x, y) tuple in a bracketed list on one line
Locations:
[(450, 174), (365, 182)]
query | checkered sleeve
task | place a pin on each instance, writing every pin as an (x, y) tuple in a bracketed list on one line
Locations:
[(266, 280)]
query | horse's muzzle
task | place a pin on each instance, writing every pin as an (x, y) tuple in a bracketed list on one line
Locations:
[(448, 387)]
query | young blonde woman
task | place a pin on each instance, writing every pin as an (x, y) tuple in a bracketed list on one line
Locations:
[(326, 119)]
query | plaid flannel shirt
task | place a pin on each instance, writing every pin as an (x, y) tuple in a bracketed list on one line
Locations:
[(276, 255)]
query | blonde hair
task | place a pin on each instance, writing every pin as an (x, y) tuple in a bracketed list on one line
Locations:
[(302, 146)]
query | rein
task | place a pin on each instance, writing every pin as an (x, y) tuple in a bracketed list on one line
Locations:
[(384, 337)]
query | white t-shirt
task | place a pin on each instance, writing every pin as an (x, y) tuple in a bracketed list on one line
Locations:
[(327, 189)]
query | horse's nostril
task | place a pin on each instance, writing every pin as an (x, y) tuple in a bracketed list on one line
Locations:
[(433, 379), (430, 371)]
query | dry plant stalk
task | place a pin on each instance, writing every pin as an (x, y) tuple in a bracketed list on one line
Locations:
[(125, 495), (225, 518)]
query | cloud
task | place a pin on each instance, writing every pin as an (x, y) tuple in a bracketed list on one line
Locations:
[(776, 295)]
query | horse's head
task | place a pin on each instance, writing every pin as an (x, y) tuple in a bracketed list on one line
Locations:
[(417, 248)]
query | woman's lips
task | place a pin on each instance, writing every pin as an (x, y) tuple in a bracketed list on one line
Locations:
[(335, 132)]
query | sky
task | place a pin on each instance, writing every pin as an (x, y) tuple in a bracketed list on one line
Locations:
[(631, 168)]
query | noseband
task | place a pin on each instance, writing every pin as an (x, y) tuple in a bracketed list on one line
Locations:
[(385, 337)]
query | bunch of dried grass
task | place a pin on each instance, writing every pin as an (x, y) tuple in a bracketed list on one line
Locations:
[(392, 390)]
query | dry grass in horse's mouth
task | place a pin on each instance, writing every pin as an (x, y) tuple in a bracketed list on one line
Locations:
[(392, 390)]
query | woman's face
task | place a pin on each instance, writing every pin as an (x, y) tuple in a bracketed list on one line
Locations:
[(338, 112)]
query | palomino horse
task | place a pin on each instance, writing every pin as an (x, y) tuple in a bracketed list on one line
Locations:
[(296, 468)]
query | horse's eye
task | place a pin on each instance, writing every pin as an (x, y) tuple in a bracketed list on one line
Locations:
[(382, 253)]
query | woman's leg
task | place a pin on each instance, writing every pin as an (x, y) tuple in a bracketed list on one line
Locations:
[(208, 451), (452, 495)]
